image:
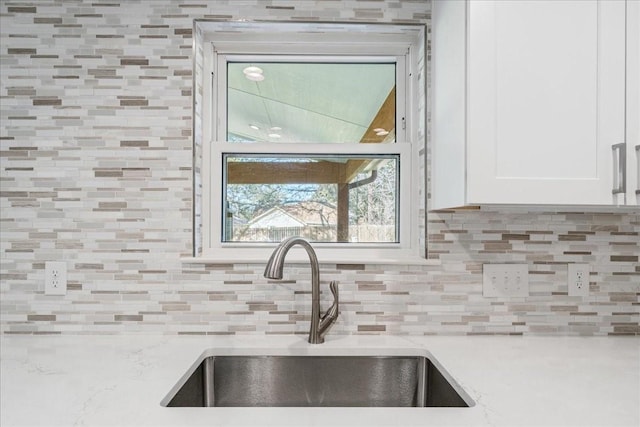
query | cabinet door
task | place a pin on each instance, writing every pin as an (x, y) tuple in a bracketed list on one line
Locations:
[(546, 96)]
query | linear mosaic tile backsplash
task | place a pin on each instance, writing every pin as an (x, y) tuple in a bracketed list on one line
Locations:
[(96, 135)]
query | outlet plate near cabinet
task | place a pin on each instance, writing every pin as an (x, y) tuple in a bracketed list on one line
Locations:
[(578, 279), (55, 278), (505, 280)]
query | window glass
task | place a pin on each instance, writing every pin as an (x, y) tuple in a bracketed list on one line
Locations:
[(311, 102), (324, 198)]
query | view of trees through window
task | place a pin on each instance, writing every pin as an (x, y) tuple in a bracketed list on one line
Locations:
[(270, 212)]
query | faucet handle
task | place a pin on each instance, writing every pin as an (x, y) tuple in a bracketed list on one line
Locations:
[(333, 286), (331, 315), (332, 312)]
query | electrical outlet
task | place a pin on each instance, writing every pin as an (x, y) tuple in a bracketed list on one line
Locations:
[(578, 280), (55, 278), (505, 280)]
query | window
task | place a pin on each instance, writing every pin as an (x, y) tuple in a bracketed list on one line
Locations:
[(314, 145)]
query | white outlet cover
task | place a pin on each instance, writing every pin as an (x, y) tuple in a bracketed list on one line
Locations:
[(55, 278), (578, 279)]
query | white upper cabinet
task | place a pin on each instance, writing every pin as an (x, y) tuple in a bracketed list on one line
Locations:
[(529, 102)]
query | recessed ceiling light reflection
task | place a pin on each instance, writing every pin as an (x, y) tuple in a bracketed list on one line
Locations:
[(252, 69), (274, 135), (254, 127), (256, 77), (253, 73), (275, 128), (376, 130)]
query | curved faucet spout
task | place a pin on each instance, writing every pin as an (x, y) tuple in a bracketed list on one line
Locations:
[(274, 270)]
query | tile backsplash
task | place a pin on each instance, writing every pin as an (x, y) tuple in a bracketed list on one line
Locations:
[(96, 135)]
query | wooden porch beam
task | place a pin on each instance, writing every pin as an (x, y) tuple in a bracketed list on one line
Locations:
[(284, 173)]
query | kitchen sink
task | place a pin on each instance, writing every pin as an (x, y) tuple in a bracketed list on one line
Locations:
[(316, 380)]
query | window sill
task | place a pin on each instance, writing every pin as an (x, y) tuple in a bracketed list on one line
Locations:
[(300, 257)]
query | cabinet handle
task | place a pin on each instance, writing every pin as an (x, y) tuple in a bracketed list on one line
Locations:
[(638, 169), (619, 168)]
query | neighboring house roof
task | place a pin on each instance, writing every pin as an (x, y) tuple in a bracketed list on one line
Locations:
[(296, 215), (275, 217)]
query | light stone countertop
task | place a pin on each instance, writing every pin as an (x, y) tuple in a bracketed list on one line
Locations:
[(120, 380)]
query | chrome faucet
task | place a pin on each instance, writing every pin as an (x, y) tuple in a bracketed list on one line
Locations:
[(319, 324)]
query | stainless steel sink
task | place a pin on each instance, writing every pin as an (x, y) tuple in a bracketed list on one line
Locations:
[(316, 380)]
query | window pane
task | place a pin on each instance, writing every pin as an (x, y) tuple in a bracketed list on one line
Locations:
[(311, 102), (326, 198)]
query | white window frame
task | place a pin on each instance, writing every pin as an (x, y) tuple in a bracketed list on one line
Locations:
[(216, 54)]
